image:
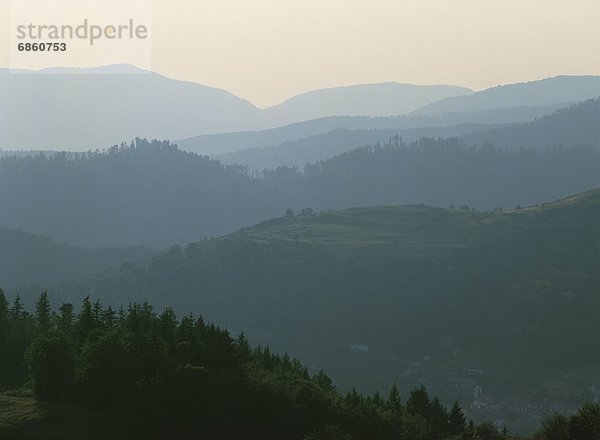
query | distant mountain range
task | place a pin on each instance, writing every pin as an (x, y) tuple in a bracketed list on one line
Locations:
[(88, 109), (382, 99), (576, 125), (224, 143), (297, 153), (533, 93), (81, 109)]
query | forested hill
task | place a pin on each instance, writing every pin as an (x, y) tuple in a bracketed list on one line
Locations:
[(27, 259), (134, 373), (575, 125), (151, 193), (557, 89), (513, 292), (147, 193)]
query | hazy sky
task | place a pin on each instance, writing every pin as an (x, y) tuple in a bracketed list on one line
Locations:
[(268, 50)]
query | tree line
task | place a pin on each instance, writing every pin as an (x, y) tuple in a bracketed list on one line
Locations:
[(160, 376), (151, 193)]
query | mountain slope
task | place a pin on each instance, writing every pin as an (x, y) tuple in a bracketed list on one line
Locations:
[(319, 147), (464, 289), (223, 143), (89, 109), (575, 125), (145, 194), (151, 193), (81, 109), (542, 92), (27, 259), (383, 99)]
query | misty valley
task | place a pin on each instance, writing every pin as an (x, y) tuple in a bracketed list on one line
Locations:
[(426, 268)]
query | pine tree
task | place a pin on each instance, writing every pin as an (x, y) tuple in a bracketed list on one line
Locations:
[(353, 398), (121, 315), (457, 421), (471, 426), (438, 418), (43, 312), (585, 424), (324, 382), (3, 319), (244, 346), (85, 320), (378, 400), (109, 317), (3, 309), (419, 403), (394, 403), (97, 312), (66, 316), (17, 311)]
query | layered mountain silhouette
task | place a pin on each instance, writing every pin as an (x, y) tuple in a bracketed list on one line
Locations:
[(88, 109), (81, 109), (533, 93), (383, 99), (576, 125)]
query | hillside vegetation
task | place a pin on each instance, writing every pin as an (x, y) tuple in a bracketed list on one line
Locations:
[(138, 374), (575, 125), (151, 193), (27, 259), (513, 292)]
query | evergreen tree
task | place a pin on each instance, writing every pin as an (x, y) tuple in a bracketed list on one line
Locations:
[(456, 420), (17, 311), (109, 317), (585, 424), (97, 311), (51, 365), (168, 325), (471, 426), (394, 403), (418, 403), (43, 312), (438, 418), (555, 427), (244, 345), (66, 317), (85, 320), (3, 313), (378, 400), (324, 382), (353, 398)]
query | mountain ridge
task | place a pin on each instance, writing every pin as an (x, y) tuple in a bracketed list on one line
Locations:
[(128, 102)]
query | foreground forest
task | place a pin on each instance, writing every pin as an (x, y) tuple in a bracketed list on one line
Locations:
[(154, 376), (141, 374)]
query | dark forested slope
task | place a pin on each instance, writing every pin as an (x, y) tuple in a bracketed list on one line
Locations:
[(575, 125), (510, 291), (27, 259), (151, 193)]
